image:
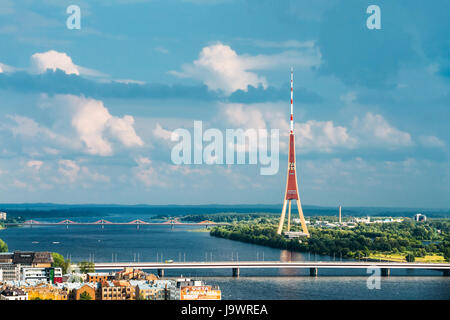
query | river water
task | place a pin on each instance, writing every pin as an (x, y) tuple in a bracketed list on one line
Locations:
[(184, 243)]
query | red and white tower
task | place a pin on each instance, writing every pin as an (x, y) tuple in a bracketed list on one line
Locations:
[(291, 183)]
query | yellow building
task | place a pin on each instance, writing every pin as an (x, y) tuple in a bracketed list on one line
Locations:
[(45, 292), (129, 273), (148, 292), (117, 290), (200, 293)]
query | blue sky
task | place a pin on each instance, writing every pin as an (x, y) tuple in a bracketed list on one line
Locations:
[(86, 115)]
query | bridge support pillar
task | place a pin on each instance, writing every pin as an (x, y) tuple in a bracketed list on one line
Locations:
[(385, 272), (313, 272), (235, 272), (161, 273), (446, 272)]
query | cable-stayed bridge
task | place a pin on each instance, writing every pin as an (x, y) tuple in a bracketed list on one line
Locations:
[(103, 222)]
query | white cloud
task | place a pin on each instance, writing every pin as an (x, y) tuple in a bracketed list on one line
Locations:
[(28, 128), (322, 136), (431, 141), (53, 60), (95, 176), (146, 173), (245, 117), (6, 68), (72, 171), (25, 126), (92, 120), (69, 169), (79, 123), (122, 129), (162, 133), (374, 129), (221, 68), (35, 164)]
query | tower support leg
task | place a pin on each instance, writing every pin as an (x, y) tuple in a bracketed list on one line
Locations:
[(161, 273), (302, 218), (283, 214), (236, 272)]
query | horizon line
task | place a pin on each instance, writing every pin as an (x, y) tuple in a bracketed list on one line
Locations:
[(206, 204)]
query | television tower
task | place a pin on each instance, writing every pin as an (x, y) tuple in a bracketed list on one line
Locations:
[(291, 183)]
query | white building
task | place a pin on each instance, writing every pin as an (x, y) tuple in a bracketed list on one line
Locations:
[(362, 220), (9, 272), (2, 215), (13, 294), (420, 217), (39, 274)]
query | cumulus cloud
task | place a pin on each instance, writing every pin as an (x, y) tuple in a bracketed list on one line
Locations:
[(92, 121), (373, 128), (322, 136), (238, 115), (53, 60), (79, 123), (221, 68)]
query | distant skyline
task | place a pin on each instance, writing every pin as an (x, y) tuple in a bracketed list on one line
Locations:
[(86, 115)]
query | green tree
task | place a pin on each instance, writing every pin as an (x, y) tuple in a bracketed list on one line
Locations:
[(447, 254), (85, 296), (86, 266), (59, 262), (410, 257), (3, 246)]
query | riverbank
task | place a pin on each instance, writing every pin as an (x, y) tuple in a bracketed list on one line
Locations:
[(398, 242), (402, 258)]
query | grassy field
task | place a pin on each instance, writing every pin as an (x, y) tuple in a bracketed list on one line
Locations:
[(401, 258)]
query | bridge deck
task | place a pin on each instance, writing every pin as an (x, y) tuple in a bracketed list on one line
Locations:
[(269, 264)]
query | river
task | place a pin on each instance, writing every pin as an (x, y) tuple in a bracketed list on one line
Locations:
[(185, 243)]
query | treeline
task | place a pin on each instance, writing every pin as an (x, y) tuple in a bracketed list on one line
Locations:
[(12, 220), (359, 242), (227, 217)]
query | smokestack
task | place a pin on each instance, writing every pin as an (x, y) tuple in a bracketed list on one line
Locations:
[(340, 214)]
